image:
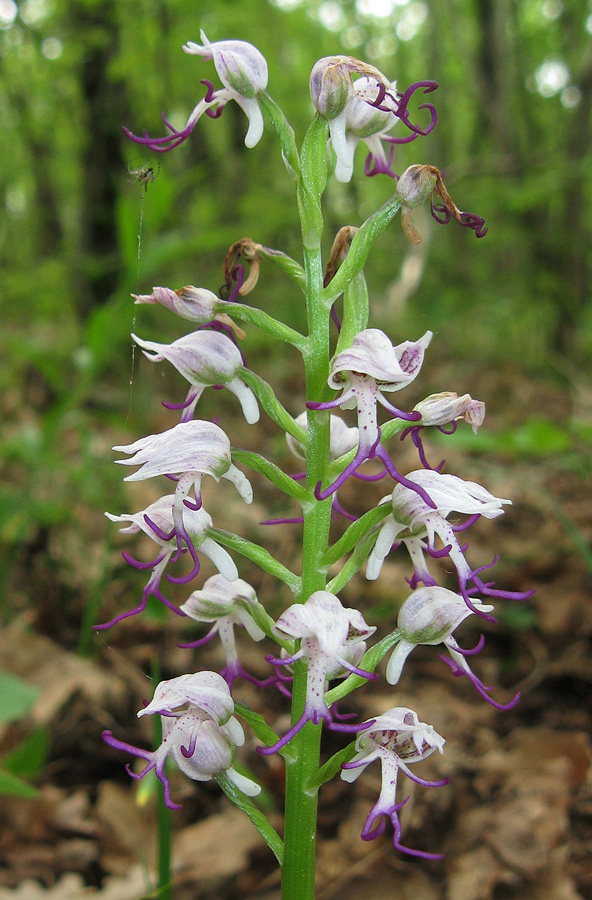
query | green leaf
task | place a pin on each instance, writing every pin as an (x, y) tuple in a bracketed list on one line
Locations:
[(11, 785), (259, 820), (331, 768), (272, 406), (356, 531), (29, 757), (266, 323), (369, 661), (274, 474), (258, 555), (257, 724), (16, 697)]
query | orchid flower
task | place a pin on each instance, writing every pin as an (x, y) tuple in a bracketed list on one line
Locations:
[(205, 359), (156, 521), (226, 604), (429, 616), (242, 69), (342, 102), (327, 630), (412, 521), (363, 372), (397, 738), (199, 732), (190, 450)]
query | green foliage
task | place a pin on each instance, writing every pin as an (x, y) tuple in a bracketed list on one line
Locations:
[(16, 697), (24, 761)]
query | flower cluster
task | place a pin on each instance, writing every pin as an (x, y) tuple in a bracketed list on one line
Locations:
[(318, 639)]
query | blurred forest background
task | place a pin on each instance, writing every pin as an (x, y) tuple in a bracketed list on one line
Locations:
[(511, 313)]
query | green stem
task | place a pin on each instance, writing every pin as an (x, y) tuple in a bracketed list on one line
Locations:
[(298, 872), (164, 825)]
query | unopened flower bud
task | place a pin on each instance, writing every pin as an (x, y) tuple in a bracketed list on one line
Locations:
[(192, 303), (447, 406), (331, 85)]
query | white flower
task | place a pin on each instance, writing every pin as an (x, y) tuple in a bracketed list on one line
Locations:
[(363, 373), (446, 407), (342, 438), (429, 616), (327, 631), (397, 738), (242, 69), (225, 604), (332, 91), (366, 123), (157, 522), (195, 304)]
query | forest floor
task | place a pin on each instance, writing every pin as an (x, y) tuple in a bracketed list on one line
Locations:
[(515, 820)]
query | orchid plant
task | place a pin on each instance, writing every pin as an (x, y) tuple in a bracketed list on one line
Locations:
[(322, 651)]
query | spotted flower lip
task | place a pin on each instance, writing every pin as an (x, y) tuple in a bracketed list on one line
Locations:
[(205, 359), (327, 631), (242, 69), (199, 732), (429, 616), (398, 739), (157, 522)]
